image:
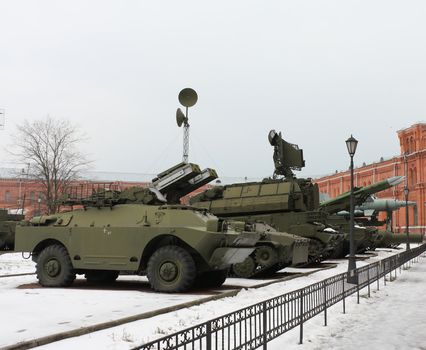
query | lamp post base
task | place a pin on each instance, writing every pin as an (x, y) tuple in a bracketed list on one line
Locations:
[(352, 272)]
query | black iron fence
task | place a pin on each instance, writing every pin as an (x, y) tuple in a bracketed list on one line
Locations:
[(254, 326)]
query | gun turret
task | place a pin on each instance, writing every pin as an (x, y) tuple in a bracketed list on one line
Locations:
[(341, 203), (287, 156)]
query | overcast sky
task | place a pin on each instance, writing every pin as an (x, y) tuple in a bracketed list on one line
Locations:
[(315, 70)]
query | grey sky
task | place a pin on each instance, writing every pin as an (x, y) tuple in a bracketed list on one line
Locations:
[(315, 70)]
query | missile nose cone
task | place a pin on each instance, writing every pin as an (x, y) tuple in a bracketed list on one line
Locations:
[(395, 180)]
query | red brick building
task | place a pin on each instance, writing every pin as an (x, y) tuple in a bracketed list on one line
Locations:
[(15, 192), (413, 144)]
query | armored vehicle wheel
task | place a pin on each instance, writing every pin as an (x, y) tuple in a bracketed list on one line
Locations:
[(171, 269), (101, 276), (315, 251), (338, 252), (212, 279), (54, 267), (245, 269), (265, 256)]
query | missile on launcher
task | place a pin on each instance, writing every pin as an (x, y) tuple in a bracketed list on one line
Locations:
[(341, 202)]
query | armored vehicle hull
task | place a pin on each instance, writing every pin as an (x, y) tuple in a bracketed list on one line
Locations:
[(7, 229), (278, 203), (173, 245)]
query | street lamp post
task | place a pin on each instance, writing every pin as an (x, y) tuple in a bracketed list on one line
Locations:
[(406, 193), (351, 144)]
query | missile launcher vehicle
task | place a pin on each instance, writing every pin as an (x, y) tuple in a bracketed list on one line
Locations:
[(273, 251), (135, 231), (367, 236), (288, 204)]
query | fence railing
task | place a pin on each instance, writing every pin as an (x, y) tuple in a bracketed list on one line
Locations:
[(254, 326)]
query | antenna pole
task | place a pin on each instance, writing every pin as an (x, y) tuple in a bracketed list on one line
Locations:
[(186, 139)]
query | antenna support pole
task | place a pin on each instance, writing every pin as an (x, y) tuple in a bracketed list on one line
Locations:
[(186, 139)]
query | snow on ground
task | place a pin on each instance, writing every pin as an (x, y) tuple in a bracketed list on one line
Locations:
[(15, 263), (34, 312), (394, 318), (24, 304)]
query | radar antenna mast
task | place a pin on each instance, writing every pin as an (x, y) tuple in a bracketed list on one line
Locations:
[(187, 98)]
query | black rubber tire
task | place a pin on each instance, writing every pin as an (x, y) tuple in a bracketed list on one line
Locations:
[(171, 269), (54, 267), (101, 276), (212, 279)]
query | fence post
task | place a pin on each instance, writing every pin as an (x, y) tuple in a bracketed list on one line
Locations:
[(209, 336), (301, 317), (325, 303), (384, 272), (368, 279), (378, 275), (395, 266), (265, 342), (357, 290), (343, 289)]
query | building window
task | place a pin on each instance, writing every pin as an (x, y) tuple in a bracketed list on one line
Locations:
[(32, 197), (7, 197), (413, 176)]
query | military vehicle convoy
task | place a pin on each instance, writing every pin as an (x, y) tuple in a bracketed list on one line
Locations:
[(288, 204), (136, 230), (249, 229)]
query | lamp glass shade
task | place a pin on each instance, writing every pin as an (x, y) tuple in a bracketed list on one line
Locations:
[(351, 144), (406, 191)]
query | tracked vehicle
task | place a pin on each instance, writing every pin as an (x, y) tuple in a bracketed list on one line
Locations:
[(136, 231), (284, 202)]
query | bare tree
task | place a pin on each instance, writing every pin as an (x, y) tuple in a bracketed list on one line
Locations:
[(51, 146)]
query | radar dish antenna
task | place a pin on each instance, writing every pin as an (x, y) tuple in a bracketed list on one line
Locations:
[(180, 117), (187, 98)]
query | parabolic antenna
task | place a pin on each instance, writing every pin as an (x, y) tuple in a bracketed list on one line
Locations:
[(271, 137), (188, 97), (180, 117)]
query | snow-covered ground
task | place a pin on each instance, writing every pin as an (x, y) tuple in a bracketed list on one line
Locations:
[(393, 318), (32, 311)]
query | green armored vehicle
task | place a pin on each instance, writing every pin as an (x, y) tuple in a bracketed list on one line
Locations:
[(135, 231), (288, 204), (273, 251), (7, 229)]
